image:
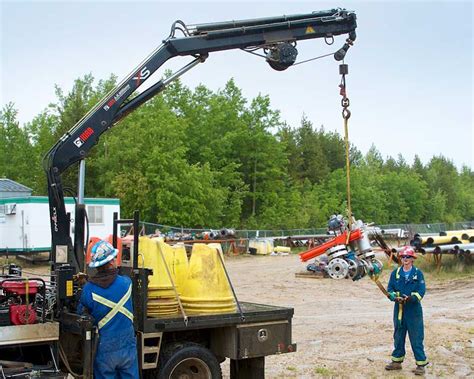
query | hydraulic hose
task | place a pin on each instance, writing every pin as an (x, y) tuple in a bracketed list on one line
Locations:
[(63, 357)]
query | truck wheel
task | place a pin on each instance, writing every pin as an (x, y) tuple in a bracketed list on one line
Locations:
[(189, 361)]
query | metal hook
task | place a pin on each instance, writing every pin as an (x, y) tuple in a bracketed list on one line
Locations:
[(329, 40)]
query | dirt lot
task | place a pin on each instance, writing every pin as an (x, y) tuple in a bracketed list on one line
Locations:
[(344, 328)]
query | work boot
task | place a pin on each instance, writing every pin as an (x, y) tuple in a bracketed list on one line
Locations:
[(393, 366), (419, 370)]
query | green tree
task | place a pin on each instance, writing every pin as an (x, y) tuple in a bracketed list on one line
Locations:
[(406, 197), (373, 159), (418, 167), (465, 191), (436, 207), (41, 131), (202, 158), (67, 111), (442, 177), (314, 163), (15, 148)]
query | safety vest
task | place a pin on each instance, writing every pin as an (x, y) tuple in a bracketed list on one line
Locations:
[(114, 307)]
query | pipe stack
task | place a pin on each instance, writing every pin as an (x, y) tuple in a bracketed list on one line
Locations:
[(452, 242)]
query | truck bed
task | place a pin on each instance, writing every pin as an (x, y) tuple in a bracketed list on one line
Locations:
[(251, 311)]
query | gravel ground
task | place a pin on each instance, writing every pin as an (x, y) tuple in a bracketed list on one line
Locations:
[(344, 328)]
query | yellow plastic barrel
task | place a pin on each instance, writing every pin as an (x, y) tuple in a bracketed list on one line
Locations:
[(179, 265), (161, 295), (152, 259), (282, 249), (263, 246), (206, 289), (218, 247)]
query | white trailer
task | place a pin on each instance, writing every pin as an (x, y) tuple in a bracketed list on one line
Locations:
[(25, 226)]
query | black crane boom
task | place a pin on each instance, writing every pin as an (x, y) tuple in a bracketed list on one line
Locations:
[(276, 35)]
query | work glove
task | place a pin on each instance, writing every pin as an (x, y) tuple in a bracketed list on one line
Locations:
[(80, 278), (399, 300), (407, 299)]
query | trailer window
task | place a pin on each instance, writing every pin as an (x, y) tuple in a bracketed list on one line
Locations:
[(95, 213)]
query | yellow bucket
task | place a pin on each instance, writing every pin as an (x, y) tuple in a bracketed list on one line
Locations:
[(209, 311), (206, 289), (282, 249), (179, 266), (152, 259)]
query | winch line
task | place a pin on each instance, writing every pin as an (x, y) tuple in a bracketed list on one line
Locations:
[(346, 114)]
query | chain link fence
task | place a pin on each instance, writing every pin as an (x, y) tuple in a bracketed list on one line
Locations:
[(434, 228)]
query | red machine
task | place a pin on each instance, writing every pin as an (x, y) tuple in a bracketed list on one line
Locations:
[(22, 314), (20, 287), (19, 300)]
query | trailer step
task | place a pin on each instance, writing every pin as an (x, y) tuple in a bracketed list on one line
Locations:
[(150, 349)]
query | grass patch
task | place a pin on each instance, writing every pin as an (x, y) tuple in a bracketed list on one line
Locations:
[(28, 268), (324, 371), (20, 262), (299, 249), (452, 267), (6, 260), (291, 368), (11, 259)]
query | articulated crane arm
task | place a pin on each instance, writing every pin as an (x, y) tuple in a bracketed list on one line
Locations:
[(277, 36)]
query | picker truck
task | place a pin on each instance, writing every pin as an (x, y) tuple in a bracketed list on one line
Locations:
[(41, 333)]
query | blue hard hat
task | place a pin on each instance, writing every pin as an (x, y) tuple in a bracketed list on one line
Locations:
[(102, 253)]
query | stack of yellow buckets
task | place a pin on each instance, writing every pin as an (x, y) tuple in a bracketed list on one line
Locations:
[(161, 295), (206, 289), (201, 283)]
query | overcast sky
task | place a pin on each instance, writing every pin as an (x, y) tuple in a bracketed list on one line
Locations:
[(410, 71)]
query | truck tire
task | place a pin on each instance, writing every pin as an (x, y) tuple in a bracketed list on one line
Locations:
[(188, 360)]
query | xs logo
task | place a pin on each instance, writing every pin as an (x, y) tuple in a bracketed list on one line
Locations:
[(142, 75)]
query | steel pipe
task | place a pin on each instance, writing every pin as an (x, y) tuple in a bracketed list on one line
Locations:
[(466, 247)]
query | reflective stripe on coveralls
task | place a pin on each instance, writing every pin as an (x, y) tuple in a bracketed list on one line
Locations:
[(115, 307), (418, 296)]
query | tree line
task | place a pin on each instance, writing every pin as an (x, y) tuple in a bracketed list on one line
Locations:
[(201, 158)]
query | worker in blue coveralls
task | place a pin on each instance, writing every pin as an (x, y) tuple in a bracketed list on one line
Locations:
[(407, 288), (107, 297)]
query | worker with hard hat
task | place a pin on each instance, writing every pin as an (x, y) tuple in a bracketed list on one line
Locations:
[(407, 288), (107, 297)]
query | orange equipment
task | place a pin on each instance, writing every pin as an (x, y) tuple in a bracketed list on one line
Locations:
[(339, 240)]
